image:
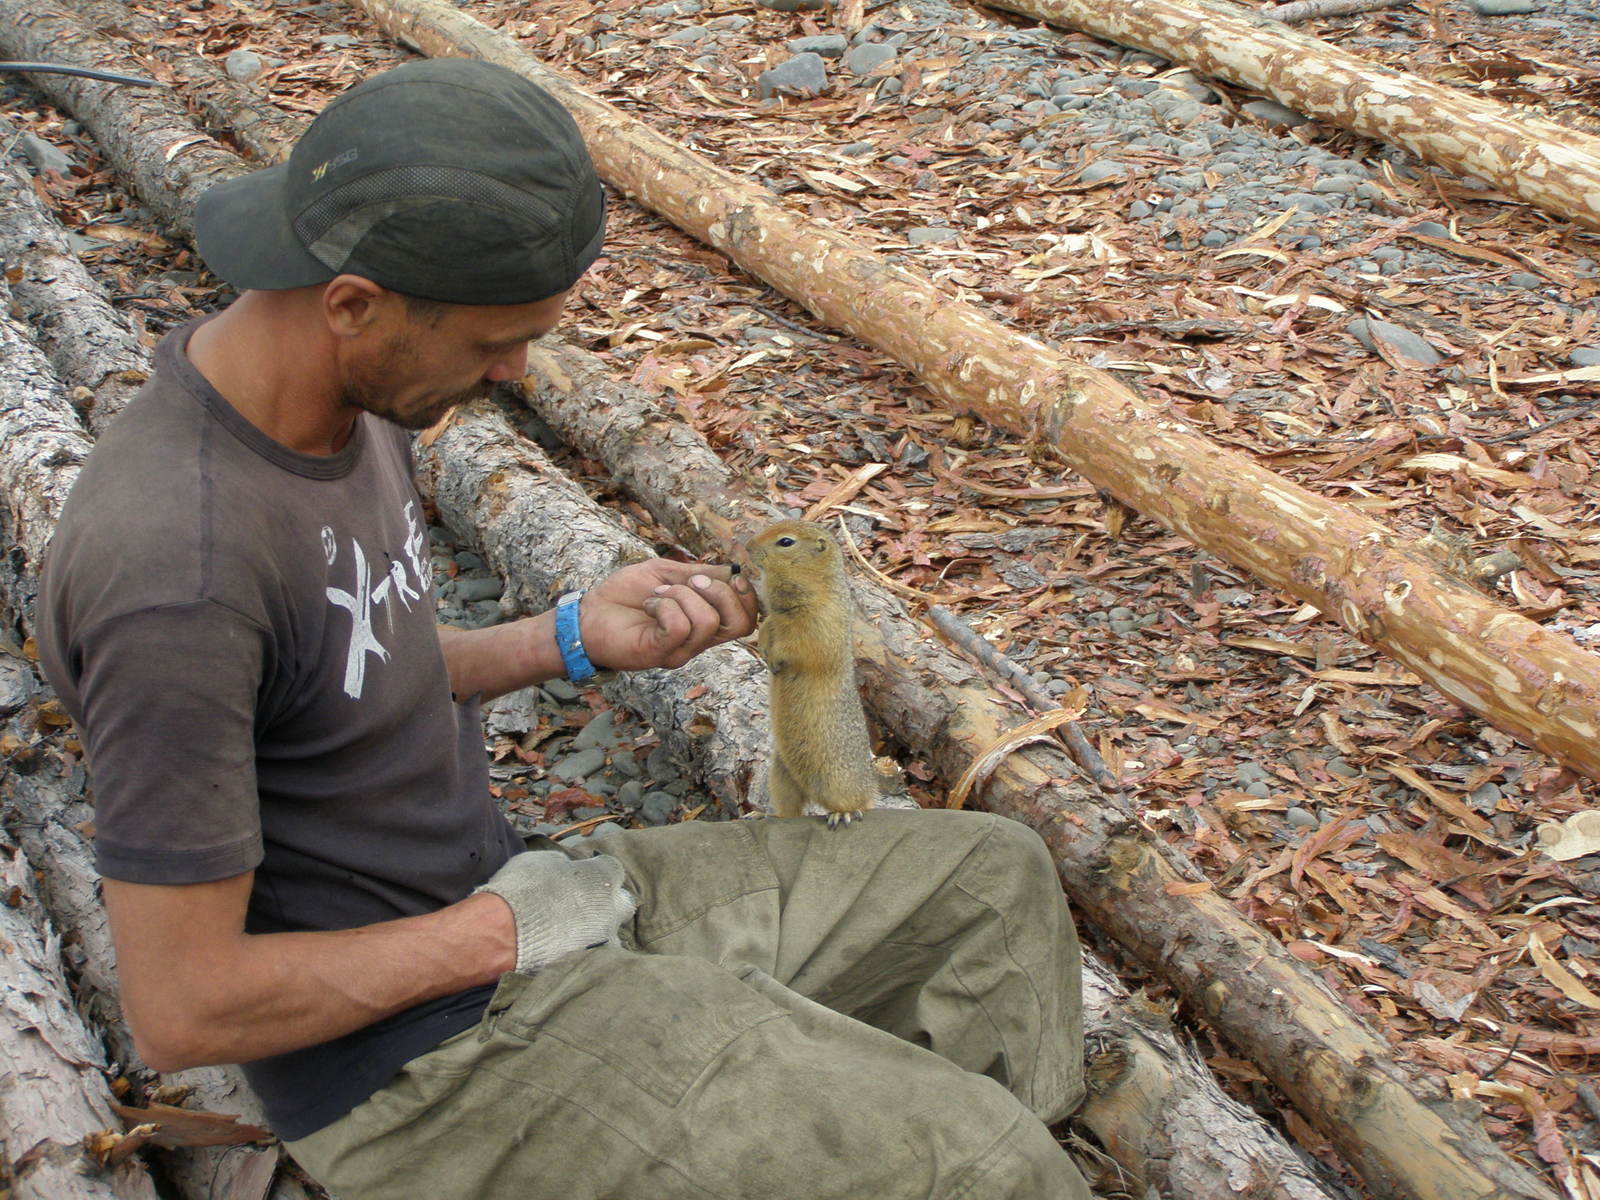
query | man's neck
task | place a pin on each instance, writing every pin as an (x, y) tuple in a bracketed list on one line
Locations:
[(268, 356)]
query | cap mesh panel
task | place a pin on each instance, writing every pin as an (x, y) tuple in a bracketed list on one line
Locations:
[(394, 183)]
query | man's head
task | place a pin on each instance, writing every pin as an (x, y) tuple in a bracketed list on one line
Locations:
[(449, 180)]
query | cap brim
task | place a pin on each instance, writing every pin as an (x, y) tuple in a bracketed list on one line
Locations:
[(242, 230)]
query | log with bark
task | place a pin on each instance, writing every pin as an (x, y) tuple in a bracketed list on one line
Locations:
[(72, 321), (1327, 1061), (1129, 884), (55, 1096), (1545, 164), (1533, 682), (42, 445)]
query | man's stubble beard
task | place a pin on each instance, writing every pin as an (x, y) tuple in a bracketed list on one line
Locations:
[(372, 389)]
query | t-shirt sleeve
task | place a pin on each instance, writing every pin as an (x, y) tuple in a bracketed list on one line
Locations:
[(168, 699)]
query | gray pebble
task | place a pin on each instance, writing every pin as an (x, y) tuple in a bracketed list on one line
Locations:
[(468, 561), (688, 36), (1345, 770), (828, 45), (1139, 210), (931, 235), (867, 57), (559, 690), (338, 41), (1485, 797), (1523, 279), (1274, 113), (600, 731), (1258, 789), (1214, 238), (1369, 331), (1121, 613), (734, 22), (1340, 184), (656, 808), (1585, 356), (857, 149), (243, 65), (1502, 8), (43, 155), (480, 587), (579, 765), (1123, 627), (1103, 169), (625, 763), (1301, 818), (802, 75), (630, 794), (1431, 229)]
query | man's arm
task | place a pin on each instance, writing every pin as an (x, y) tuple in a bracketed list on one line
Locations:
[(652, 614), (197, 989)]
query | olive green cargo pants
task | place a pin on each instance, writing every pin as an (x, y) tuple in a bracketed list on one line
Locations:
[(889, 1010)]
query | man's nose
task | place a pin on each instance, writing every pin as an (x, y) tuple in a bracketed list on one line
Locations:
[(511, 365)]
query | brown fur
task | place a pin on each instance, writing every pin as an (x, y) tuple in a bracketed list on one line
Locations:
[(820, 749)]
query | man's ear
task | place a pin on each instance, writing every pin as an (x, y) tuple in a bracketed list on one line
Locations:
[(353, 305)]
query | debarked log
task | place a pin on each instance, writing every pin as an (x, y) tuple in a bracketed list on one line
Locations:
[(55, 1097), (1128, 884), (1545, 164), (1534, 682), (1153, 1104)]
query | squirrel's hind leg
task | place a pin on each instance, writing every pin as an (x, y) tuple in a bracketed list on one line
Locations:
[(787, 798)]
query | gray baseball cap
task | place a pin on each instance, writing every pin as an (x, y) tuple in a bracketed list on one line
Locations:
[(446, 179)]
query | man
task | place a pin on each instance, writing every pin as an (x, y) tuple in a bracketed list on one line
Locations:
[(303, 869)]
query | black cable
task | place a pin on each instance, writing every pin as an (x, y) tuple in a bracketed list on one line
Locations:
[(85, 72)]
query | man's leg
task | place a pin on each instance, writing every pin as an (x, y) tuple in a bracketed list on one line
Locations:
[(947, 929), (616, 1075), (697, 1068)]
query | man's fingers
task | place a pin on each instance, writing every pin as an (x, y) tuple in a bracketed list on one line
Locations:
[(686, 618)]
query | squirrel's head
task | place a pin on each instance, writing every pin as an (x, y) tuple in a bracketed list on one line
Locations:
[(794, 550)]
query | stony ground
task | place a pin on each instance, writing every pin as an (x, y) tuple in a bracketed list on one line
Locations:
[(1409, 341)]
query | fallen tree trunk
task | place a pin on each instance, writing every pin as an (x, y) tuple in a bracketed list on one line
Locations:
[(1533, 682), (72, 321), (55, 1100), (1127, 883), (42, 445), (1153, 1103), (144, 132), (1547, 165)]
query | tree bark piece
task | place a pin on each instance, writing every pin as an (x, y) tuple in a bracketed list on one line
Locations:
[(1535, 683), (1128, 884), (1545, 164), (1152, 1102), (144, 132), (74, 324), (53, 1089)]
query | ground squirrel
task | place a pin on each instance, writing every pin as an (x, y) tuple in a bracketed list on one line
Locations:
[(820, 750)]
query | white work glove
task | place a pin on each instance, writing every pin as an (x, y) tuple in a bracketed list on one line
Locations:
[(561, 904)]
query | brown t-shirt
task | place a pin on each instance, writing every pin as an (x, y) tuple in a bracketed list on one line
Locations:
[(245, 637)]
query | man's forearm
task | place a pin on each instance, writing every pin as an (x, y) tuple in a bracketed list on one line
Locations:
[(503, 658), (253, 996)]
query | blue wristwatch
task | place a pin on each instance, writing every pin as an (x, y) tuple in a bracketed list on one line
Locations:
[(569, 639)]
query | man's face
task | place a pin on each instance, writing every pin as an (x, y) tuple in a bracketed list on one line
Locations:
[(416, 368)]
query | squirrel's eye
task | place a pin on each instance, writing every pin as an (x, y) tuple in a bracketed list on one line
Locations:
[(786, 541)]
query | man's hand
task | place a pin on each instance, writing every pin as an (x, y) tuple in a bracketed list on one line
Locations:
[(662, 613)]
